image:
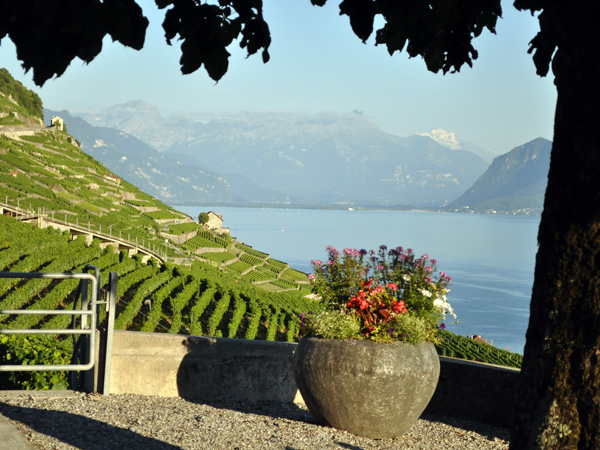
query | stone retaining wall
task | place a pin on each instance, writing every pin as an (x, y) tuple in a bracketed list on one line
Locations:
[(202, 368), (201, 250), (218, 369), (475, 391), (180, 238)]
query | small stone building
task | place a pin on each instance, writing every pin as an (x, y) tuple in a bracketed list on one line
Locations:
[(215, 221), (58, 123)]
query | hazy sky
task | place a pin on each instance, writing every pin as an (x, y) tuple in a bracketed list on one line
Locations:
[(317, 65)]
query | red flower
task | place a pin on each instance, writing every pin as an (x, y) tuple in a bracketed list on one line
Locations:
[(399, 306)]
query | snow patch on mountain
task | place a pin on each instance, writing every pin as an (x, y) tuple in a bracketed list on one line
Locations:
[(446, 138)]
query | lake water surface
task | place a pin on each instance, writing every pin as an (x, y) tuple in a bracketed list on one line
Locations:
[(491, 258)]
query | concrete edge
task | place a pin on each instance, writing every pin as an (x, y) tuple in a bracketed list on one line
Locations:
[(8, 394), (10, 436)]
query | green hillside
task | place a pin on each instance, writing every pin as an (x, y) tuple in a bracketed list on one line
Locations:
[(16, 98)]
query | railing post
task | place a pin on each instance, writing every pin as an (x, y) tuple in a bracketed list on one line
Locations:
[(106, 338), (90, 377)]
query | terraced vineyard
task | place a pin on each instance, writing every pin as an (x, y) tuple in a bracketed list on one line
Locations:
[(464, 348), (48, 174), (202, 300), (245, 263)]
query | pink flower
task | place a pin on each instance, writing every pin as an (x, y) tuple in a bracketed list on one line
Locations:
[(317, 262)]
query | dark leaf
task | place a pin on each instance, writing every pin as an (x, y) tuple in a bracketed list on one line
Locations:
[(207, 30), (218, 62), (362, 14), (125, 22), (171, 24), (163, 3)]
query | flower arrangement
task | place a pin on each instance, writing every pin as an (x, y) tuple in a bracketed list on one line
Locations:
[(383, 296)]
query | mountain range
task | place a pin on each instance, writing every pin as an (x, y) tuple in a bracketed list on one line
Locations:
[(330, 159)]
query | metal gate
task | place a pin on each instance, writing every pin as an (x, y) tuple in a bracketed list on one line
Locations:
[(86, 348)]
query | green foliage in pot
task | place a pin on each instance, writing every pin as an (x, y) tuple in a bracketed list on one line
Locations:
[(379, 295)]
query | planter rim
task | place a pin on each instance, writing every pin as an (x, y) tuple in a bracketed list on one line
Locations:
[(365, 341)]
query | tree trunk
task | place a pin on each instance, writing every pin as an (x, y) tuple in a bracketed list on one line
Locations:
[(559, 393)]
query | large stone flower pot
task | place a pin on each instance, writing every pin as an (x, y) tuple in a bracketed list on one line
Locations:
[(375, 390)]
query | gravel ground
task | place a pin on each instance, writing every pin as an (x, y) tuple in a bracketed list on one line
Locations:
[(133, 422)]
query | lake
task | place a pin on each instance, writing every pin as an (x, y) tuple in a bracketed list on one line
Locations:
[(491, 258)]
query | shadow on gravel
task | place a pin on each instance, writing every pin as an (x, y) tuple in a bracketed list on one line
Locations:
[(276, 410), (489, 431), (81, 432)]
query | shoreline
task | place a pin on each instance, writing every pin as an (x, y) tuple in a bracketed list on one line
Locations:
[(352, 207)]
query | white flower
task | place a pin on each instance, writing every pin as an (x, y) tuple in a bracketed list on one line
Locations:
[(444, 307), (406, 277), (425, 293)]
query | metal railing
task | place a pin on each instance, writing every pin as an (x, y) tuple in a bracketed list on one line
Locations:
[(89, 309)]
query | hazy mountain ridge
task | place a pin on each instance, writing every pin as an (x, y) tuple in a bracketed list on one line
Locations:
[(325, 158), (347, 160), (163, 177)]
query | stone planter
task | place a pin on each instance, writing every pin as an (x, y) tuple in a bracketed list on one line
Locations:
[(375, 390)]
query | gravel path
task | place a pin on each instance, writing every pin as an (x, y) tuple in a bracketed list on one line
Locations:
[(133, 422)]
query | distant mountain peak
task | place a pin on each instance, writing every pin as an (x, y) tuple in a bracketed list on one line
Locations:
[(446, 138), (136, 105)]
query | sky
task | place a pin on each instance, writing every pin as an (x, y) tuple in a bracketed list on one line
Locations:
[(318, 65)]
